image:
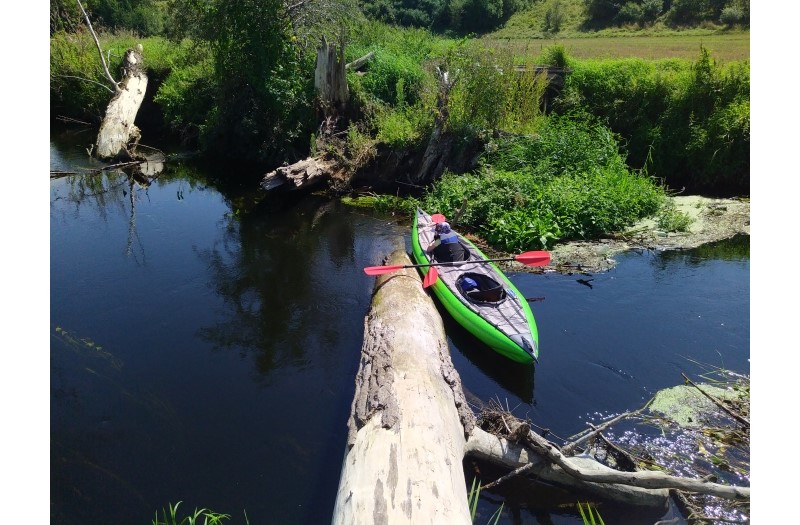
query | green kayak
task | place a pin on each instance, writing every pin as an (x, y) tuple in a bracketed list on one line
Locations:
[(478, 295)]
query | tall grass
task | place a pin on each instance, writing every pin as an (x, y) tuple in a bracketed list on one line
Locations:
[(690, 119), (173, 518)]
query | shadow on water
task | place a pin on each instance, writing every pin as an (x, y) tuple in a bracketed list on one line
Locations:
[(516, 378)]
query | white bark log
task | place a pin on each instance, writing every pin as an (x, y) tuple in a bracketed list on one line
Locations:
[(403, 462), (117, 130), (499, 451)]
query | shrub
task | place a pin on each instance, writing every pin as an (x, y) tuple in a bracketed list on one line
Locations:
[(731, 16), (568, 182)]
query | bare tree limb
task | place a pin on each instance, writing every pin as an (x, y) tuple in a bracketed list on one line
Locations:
[(358, 63), (569, 448), (720, 404), (89, 80), (99, 49), (644, 479)]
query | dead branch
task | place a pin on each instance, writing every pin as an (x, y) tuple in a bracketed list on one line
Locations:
[(62, 118), (720, 404), (569, 448), (358, 63), (99, 49), (89, 80), (644, 479), (96, 171)]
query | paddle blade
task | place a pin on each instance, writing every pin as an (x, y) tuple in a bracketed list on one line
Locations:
[(437, 218), (431, 277), (380, 270), (534, 258)]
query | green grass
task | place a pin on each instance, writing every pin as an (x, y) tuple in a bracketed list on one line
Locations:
[(589, 514), (172, 517), (724, 46), (472, 502)]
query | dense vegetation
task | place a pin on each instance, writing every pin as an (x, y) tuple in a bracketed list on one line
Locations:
[(617, 138)]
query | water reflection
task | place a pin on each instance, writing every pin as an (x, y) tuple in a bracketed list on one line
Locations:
[(515, 378), (267, 269)]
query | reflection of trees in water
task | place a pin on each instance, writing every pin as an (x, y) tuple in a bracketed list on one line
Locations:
[(266, 268), (736, 248), (118, 191)]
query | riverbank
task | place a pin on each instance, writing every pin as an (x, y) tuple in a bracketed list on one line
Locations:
[(711, 220)]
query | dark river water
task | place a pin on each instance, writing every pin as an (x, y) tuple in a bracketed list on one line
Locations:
[(207, 355)]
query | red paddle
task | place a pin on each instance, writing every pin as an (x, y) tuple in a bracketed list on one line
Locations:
[(526, 258), (431, 277)]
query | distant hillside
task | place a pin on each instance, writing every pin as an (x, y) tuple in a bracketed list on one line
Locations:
[(591, 18)]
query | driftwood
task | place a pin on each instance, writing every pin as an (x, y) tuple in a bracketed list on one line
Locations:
[(406, 437), (410, 428), (300, 175)]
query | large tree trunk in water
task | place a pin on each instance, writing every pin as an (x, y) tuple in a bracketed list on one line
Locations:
[(406, 439), (117, 131)]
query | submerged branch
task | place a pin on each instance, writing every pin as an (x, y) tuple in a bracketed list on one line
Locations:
[(741, 419), (642, 479), (569, 448)]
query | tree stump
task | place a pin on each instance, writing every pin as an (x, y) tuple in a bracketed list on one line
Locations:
[(118, 133)]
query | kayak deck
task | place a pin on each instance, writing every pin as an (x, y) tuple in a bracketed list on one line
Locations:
[(496, 312)]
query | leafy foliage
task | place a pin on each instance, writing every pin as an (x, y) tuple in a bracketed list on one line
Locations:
[(688, 122), (262, 85), (172, 518), (568, 182)]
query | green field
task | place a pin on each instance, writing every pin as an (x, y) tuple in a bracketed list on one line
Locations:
[(723, 47)]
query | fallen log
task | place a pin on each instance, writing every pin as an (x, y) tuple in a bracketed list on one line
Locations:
[(300, 175), (406, 436), (410, 428)]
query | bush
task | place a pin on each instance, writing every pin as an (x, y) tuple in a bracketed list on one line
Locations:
[(687, 122), (569, 182), (731, 16)]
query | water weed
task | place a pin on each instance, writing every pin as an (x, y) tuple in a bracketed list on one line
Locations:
[(172, 518)]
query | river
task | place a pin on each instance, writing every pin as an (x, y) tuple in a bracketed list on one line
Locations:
[(203, 349)]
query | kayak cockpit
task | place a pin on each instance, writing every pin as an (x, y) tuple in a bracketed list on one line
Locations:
[(481, 289)]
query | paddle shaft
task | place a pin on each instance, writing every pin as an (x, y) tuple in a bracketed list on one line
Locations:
[(534, 261)]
